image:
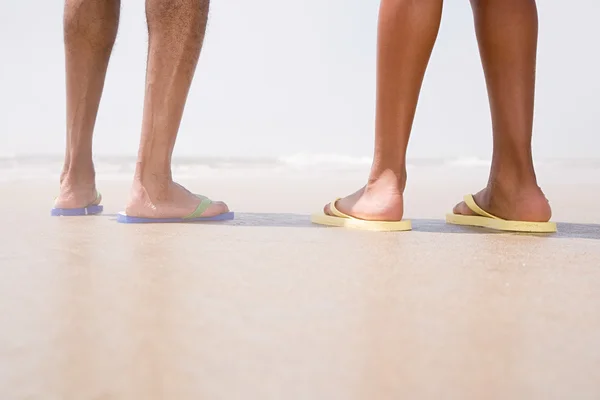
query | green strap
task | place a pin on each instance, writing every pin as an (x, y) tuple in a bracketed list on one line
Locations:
[(203, 206)]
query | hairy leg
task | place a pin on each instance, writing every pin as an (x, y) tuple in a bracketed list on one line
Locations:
[(90, 29), (176, 31)]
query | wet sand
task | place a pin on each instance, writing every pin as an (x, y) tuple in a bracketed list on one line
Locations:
[(270, 307)]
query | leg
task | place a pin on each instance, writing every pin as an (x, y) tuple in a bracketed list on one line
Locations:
[(407, 33), (176, 32), (507, 36), (90, 29)]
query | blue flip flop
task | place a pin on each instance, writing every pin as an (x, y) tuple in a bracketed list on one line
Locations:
[(196, 216), (92, 209)]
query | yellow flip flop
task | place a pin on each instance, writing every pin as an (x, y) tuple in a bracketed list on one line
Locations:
[(484, 219), (346, 221)]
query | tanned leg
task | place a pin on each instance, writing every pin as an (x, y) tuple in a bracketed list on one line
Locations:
[(507, 34), (406, 35)]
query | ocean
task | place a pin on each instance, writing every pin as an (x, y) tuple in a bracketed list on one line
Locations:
[(42, 167)]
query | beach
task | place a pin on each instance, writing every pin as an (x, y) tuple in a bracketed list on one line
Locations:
[(273, 107), (269, 306)]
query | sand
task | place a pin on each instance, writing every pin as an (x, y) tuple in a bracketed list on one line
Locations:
[(270, 307)]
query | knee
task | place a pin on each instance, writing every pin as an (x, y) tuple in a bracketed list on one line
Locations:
[(171, 8), (91, 19), (74, 13), (185, 15)]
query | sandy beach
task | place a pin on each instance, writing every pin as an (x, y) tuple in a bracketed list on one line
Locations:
[(270, 307)]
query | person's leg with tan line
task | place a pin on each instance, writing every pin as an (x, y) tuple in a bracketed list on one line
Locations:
[(176, 32), (90, 29), (406, 35), (507, 33)]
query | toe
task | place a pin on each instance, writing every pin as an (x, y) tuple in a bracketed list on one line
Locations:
[(327, 208), (223, 206), (217, 208), (462, 209)]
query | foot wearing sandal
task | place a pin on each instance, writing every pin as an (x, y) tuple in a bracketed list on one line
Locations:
[(158, 198), (510, 203), (381, 199), (378, 206), (506, 207), (77, 195)]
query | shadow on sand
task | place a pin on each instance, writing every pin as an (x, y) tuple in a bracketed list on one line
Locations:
[(286, 220)]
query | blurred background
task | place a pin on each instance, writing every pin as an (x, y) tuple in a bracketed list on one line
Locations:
[(295, 81)]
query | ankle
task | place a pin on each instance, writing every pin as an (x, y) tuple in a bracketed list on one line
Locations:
[(78, 176), (511, 186), (152, 176), (513, 179), (154, 184), (514, 164), (392, 180)]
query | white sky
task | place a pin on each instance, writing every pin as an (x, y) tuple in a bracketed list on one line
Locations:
[(282, 77)]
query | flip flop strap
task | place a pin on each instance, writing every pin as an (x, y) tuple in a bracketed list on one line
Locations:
[(335, 211), (470, 202), (203, 206)]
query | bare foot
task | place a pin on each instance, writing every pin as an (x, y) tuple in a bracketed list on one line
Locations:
[(511, 203), (380, 200), (77, 191), (167, 200)]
